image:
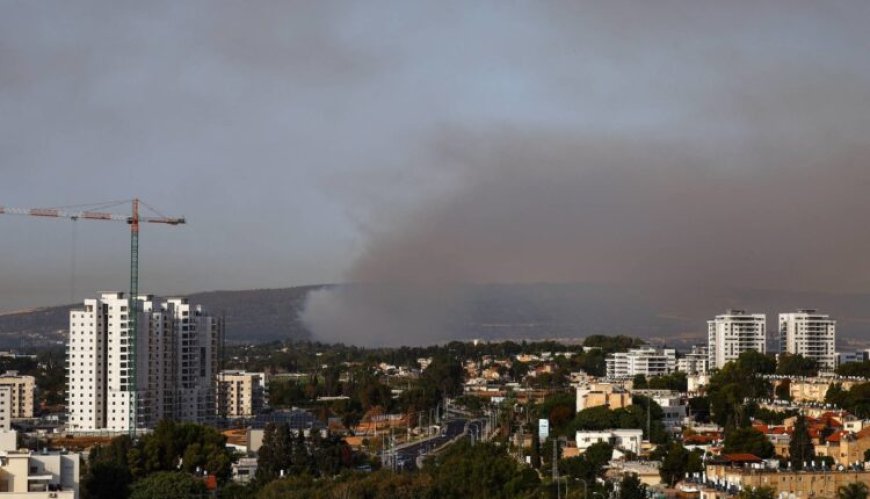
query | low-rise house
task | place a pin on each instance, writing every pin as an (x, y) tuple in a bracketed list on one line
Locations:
[(37, 475), (674, 409), (622, 439), (244, 470)]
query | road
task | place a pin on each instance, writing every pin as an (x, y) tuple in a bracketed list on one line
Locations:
[(406, 457)]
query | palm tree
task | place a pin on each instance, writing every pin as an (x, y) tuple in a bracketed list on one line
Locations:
[(857, 490)]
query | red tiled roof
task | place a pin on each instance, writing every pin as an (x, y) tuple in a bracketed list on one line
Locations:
[(835, 437), (211, 482)]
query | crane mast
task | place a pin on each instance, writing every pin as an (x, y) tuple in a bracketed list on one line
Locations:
[(133, 307), (134, 220)]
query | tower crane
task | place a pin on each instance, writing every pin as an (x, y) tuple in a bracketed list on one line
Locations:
[(133, 220)]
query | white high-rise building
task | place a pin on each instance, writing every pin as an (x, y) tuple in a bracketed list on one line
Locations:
[(175, 362), (645, 361), (810, 334), (733, 333)]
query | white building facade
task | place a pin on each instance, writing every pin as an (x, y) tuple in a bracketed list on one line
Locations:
[(626, 440), (849, 357), (695, 362), (733, 333), (175, 362), (811, 335), (645, 361)]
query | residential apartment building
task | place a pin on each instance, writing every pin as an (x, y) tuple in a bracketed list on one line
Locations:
[(174, 358), (31, 475), (23, 389), (645, 361), (733, 333), (613, 396), (785, 483), (812, 389), (695, 362), (810, 334), (240, 394), (857, 356), (5, 408)]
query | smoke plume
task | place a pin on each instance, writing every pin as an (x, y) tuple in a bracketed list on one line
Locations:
[(652, 216)]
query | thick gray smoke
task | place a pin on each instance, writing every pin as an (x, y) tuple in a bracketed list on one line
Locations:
[(656, 217), (692, 154)]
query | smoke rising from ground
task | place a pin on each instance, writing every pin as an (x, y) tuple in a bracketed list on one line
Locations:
[(779, 208), (679, 153)]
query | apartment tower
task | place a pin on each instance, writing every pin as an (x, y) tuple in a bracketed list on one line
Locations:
[(810, 334), (645, 361), (733, 333), (240, 394), (175, 362)]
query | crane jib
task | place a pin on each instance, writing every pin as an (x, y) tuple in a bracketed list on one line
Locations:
[(134, 220)]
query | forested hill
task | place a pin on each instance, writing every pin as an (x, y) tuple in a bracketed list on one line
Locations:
[(503, 311), (252, 315)]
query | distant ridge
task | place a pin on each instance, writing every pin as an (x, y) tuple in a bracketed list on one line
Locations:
[(501, 311)]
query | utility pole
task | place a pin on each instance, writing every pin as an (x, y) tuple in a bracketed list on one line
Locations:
[(555, 466)]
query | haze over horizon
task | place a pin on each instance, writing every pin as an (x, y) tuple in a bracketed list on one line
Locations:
[(670, 148)]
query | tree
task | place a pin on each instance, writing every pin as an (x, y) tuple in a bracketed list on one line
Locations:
[(168, 485), (858, 369), (700, 407), (732, 385), (836, 395), (106, 479), (535, 454), (676, 381), (748, 440), (559, 409), (796, 365), (856, 490), (757, 493), (480, 471), (857, 400), (598, 455), (800, 448), (756, 362), (594, 419), (783, 390), (631, 488), (612, 343), (639, 382), (589, 465), (675, 464), (189, 445)]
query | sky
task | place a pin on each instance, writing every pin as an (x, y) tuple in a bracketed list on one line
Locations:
[(660, 144)]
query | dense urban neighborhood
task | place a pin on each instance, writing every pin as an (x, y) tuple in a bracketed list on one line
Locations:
[(747, 414)]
